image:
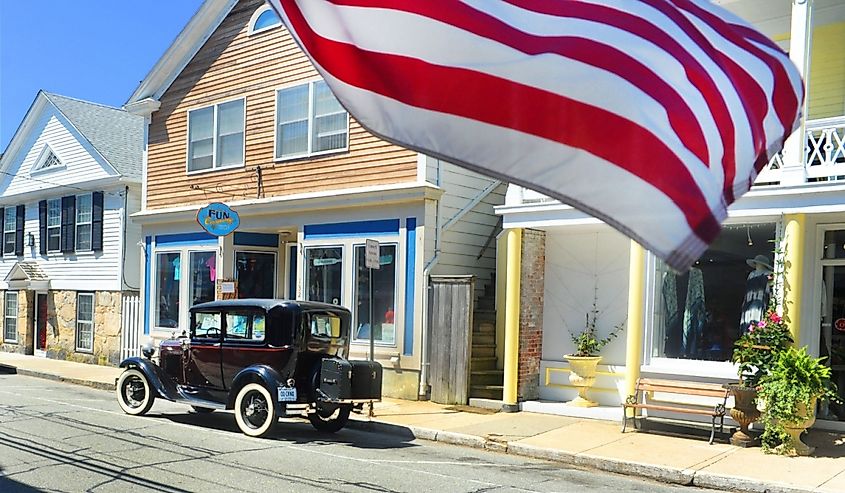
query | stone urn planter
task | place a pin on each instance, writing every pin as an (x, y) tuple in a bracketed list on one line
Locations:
[(744, 412), (582, 377), (796, 428)]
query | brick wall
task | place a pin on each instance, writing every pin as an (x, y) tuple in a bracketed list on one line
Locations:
[(532, 280)]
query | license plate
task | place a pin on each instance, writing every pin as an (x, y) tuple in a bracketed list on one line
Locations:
[(287, 394)]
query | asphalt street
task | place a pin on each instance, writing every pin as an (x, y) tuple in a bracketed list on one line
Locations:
[(66, 438)]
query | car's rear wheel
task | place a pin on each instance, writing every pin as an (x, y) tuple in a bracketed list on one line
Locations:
[(330, 418), (255, 410), (134, 393)]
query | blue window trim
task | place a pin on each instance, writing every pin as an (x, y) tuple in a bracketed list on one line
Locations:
[(185, 239), (292, 261), (380, 227), (148, 242), (410, 284), (243, 238)]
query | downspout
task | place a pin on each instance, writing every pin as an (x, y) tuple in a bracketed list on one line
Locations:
[(425, 364)]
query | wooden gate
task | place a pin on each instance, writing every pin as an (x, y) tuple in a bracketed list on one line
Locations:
[(451, 306)]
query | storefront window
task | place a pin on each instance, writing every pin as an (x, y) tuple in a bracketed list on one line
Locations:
[(203, 276), (256, 274), (168, 273), (324, 274), (832, 338), (384, 296), (701, 312)]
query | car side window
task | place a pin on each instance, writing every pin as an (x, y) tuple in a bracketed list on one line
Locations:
[(206, 326), (244, 326), (325, 325)]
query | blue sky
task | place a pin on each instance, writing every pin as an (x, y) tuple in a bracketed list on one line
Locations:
[(96, 50)]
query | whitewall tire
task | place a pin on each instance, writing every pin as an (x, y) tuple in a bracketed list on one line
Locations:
[(134, 393), (255, 410)]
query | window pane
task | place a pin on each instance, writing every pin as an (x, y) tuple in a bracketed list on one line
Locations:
[(237, 326), (266, 19), (9, 220), (85, 308), (83, 209), (293, 104), (324, 101), (83, 237), (11, 317), (9, 243), (168, 274), (293, 138), (200, 138), (230, 150), (54, 236), (203, 276), (256, 274), (54, 212), (324, 274), (384, 295), (700, 313), (329, 132), (230, 118), (84, 322)]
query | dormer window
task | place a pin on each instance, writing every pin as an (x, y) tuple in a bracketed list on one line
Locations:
[(47, 161), (263, 19)]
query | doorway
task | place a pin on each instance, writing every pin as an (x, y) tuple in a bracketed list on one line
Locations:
[(41, 324)]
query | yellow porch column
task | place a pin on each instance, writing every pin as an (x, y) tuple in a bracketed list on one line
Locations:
[(512, 287), (793, 256), (636, 304)]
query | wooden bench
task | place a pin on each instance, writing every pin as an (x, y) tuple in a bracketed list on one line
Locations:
[(677, 387)]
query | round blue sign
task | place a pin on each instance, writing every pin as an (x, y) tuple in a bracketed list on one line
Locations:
[(218, 219)]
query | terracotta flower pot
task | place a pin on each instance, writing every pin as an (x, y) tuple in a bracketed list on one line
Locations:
[(582, 377)]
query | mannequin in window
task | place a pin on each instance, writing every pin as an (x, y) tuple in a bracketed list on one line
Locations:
[(757, 292)]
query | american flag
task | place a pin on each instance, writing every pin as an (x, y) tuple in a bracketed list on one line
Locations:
[(652, 115)]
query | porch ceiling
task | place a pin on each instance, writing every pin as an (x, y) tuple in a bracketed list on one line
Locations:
[(772, 17)]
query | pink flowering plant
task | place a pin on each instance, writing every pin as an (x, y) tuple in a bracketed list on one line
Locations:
[(757, 350)]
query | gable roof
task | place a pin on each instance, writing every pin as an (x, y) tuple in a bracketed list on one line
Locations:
[(183, 49), (116, 134)]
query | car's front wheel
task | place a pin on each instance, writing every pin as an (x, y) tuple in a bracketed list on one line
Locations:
[(134, 393), (330, 418), (255, 410)]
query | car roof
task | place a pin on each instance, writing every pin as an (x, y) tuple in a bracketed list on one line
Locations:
[(266, 304)]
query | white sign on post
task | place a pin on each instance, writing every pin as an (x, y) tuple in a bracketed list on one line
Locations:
[(371, 260)]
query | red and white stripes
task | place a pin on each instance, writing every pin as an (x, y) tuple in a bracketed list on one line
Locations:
[(652, 115)]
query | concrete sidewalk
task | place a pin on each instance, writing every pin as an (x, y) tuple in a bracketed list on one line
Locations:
[(582, 442)]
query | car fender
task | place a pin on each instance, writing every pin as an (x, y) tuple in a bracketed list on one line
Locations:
[(156, 376), (266, 375)]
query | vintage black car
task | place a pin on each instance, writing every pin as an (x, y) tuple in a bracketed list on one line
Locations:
[(263, 358)]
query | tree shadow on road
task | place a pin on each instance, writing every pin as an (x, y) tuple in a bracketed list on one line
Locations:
[(9, 485), (299, 431)]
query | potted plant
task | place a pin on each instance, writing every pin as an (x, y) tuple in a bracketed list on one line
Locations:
[(584, 361), (754, 353), (790, 390)]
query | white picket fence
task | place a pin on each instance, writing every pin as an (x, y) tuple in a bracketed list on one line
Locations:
[(131, 327)]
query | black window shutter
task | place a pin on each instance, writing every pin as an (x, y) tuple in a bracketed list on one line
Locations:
[(68, 223), (42, 227), (19, 223), (97, 221)]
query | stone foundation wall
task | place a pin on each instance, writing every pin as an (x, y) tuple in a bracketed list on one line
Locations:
[(61, 328)]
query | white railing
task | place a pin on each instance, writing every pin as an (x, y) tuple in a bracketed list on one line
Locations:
[(131, 327), (824, 150), (824, 153)]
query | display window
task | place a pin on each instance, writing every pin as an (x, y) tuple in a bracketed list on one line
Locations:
[(168, 275), (256, 274), (383, 289), (699, 314), (324, 274), (183, 278), (832, 333), (203, 276)]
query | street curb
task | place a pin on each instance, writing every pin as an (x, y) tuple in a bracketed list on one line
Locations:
[(665, 474), (59, 378)]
